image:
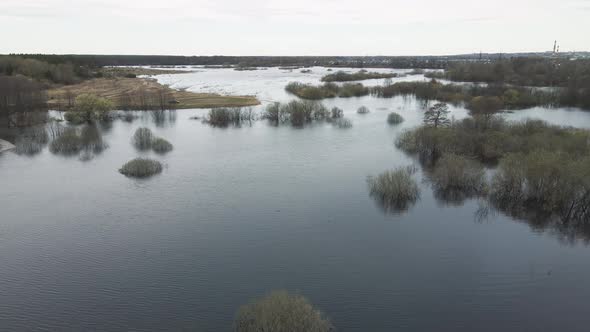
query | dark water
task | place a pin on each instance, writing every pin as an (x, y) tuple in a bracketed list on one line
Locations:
[(239, 212)]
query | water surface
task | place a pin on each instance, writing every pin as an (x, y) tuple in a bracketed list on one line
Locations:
[(239, 212)]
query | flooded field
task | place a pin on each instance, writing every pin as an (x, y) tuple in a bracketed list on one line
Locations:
[(240, 211)]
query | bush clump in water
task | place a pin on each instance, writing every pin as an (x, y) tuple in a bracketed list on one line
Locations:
[(281, 312), (72, 141), (143, 138), (327, 90), (336, 113), (456, 178), (141, 168), (395, 190), (160, 145), (224, 117), (342, 123), (32, 141), (542, 185), (394, 118), (68, 143), (297, 112), (363, 110)]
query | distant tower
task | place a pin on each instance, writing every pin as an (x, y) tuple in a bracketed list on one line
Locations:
[(554, 46)]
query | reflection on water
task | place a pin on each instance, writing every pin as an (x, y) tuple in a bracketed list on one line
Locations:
[(31, 141), (163, 118), (85, 142)]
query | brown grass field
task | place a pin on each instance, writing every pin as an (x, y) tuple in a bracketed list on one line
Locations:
[(115, 88)]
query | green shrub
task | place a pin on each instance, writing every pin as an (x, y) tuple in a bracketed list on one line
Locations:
[(75, 117), (88, 108), (141, 168), (280, 312), (394, 118), (395, 190)]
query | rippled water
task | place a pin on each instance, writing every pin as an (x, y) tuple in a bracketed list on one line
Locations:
[(239, 212)]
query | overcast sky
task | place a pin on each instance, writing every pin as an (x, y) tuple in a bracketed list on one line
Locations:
[(296, 27)]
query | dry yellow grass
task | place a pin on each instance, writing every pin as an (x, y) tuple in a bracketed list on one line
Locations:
[(114, 89)]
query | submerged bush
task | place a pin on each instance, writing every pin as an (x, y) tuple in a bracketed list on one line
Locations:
[(160, 145), (143, 138), (544, 184), (73, 141), (396, 190), (341, 76), (489, 138), (342, 123), (297, 112), (272, 112), (68, 143), (490, 98), (363, 110), (336, 112), (456, 178), (141, 168), (32, 141), (327, 90), (280, 312), (394, 118), (224, 117)]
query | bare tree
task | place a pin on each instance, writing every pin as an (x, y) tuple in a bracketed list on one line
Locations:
[(437, 115)]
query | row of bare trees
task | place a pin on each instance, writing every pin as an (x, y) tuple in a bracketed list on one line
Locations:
[(20, 99)]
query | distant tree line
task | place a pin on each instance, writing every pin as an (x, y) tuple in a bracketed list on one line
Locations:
[(535, 71), (571, 76), (97, 61), (44, 71), (19, 96)]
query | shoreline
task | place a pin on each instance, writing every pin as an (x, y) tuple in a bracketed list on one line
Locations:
[(6, 146)]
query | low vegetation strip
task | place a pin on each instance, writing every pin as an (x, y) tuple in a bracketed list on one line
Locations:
[(327, 90), (341, 76), (477, 98), (143, 94)]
